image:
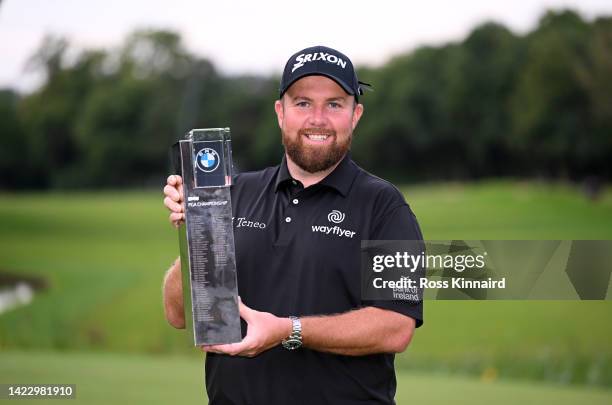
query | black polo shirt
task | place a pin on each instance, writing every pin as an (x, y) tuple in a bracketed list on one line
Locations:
[(298, 253)]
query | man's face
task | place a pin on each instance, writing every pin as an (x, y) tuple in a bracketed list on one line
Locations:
[(317, 119)]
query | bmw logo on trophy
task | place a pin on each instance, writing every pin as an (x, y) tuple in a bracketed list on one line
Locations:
[(206, 239)]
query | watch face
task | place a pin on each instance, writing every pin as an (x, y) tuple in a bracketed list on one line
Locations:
[(292, 344)]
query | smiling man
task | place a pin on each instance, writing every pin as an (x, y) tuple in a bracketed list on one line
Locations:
[(309, 337), (317, 120)]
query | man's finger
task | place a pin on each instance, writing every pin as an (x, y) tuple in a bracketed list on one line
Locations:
[(177, 217), (173, 193), (232, 349), (181, 192), (172, 205), (174, 180), (209, 349)]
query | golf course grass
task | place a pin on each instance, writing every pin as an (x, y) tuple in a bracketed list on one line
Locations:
[(140, 379)]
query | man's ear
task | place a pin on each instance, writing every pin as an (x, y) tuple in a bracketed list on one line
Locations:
[(280, 112), (357, 112)]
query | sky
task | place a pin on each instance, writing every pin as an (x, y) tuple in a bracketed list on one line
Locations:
[(258, 36)]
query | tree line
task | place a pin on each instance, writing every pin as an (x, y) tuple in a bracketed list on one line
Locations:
[(494, 104)]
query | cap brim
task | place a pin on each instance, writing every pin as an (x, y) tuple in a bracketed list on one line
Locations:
[(341, 83)]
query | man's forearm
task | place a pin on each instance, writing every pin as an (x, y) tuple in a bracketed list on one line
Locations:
[(363, 331), (173, 296)]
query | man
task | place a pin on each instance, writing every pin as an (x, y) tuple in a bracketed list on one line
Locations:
[(303, 257)]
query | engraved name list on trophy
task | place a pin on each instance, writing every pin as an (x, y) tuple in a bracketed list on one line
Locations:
[(206, 239)]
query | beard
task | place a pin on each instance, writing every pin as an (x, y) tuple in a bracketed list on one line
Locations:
[(314, 159)]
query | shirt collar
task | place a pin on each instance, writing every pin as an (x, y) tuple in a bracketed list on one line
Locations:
[(340, 179), (283, 175)]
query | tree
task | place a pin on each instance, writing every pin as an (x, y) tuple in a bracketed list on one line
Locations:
[(594, 73), (129, 119), (550, 107), (14, 154), (49, 113), (482, 78)]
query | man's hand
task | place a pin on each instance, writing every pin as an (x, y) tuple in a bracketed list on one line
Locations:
[(174, 199), (264, 331)]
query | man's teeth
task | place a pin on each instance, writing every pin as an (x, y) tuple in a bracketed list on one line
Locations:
[(317, 137)]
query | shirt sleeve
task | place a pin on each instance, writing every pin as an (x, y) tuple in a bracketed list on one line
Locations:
[(399, 223)]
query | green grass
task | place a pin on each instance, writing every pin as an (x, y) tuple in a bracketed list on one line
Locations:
[(137, 379), (110, 378), (104, 255), (507, 210), (558, 341)]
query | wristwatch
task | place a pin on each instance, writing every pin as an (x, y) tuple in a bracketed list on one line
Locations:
[(294, 341)]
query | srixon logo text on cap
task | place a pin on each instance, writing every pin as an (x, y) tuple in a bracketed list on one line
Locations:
[(312, 57)]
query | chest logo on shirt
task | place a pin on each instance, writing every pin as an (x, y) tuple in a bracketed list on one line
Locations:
[(335, 217), (242, 222)]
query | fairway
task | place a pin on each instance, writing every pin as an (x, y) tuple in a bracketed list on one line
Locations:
[(103, 256), (136, 379)]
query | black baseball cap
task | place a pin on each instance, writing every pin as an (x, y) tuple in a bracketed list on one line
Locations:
[(323, 61)]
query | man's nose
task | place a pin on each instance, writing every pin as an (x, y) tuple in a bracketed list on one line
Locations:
[(317, 117)]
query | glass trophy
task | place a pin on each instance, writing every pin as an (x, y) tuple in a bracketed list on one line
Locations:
[(206, 238)]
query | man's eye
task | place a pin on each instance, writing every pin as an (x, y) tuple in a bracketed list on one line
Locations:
[(334, 105), (302, 104)]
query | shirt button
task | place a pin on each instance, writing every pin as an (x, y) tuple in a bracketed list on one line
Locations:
[(288, 219), (295, 201)]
